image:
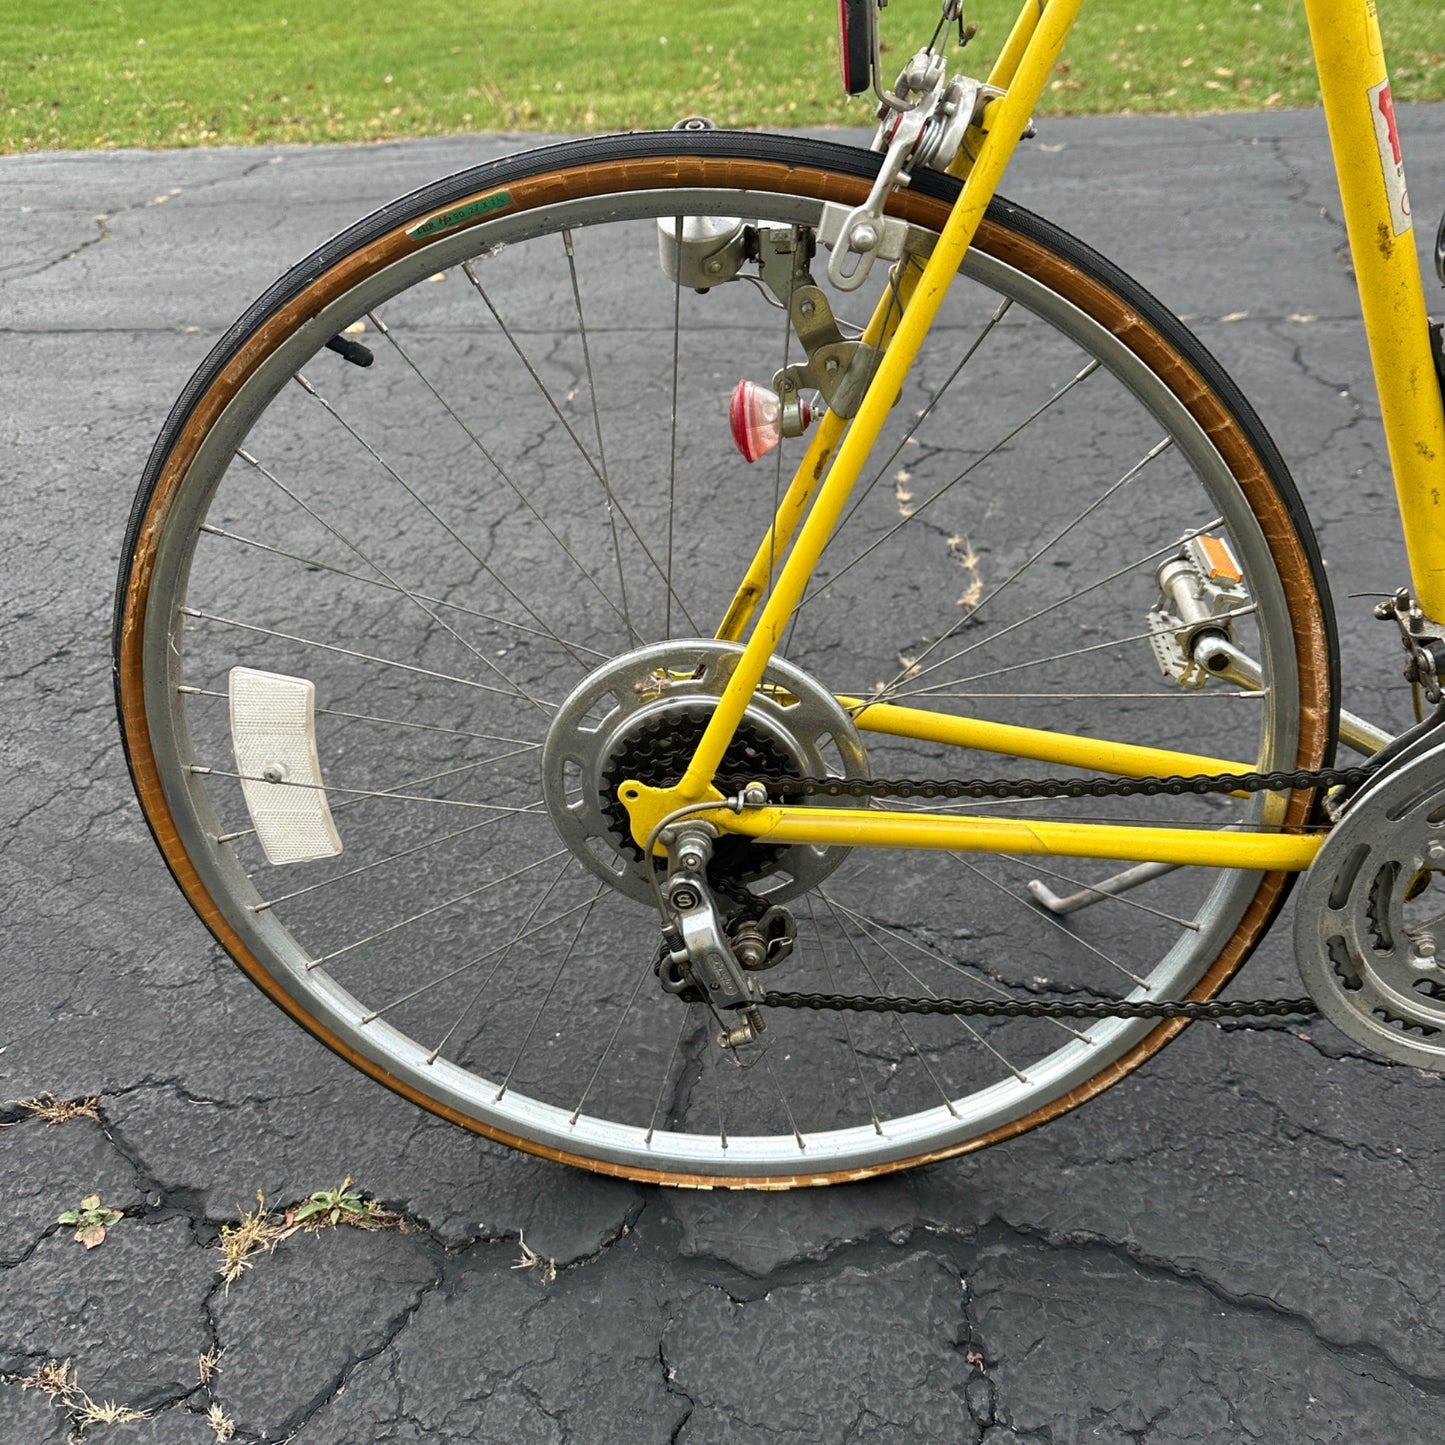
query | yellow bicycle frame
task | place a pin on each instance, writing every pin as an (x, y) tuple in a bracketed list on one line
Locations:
[(1364, 142)]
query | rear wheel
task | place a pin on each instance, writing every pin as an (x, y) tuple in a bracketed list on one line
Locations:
[(532, 480)]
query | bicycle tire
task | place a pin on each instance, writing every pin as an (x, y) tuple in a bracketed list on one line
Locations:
[(1070, 300)]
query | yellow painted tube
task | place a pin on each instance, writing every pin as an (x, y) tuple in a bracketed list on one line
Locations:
[(1007, 64), (801, 490), (867, 828), (1360, 114), (1100, 755), (958, 232)]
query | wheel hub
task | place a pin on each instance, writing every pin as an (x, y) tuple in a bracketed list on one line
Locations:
[(640, 717)]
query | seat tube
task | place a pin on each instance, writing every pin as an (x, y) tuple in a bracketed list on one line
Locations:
[(1005, 120), (1365, 140)]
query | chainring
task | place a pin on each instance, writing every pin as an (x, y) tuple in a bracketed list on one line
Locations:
[(1371, 908)]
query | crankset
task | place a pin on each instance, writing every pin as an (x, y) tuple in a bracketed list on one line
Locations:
[(1370, 913)]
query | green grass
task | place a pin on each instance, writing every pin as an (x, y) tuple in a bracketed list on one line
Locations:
[(248, 72)]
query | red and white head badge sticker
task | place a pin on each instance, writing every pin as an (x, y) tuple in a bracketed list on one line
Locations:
[(1387, 137)]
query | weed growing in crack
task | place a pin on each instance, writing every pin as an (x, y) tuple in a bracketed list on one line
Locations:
[(328, 1206), (208, 1364), (221, 1423), (530, 1259), (258, 1230), (261, 1229), (54, 1378), (50, 1110), (343, 1205), (91, 1220), (57, 1380)]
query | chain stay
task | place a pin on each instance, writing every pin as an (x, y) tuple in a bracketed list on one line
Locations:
[(1026, 788)]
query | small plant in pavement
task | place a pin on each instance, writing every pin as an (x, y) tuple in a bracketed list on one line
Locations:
[(221, 1423), (331, 1206), (530, 1259), (50, 1110), (91, 1220), (258, 1230), (56, 1379)]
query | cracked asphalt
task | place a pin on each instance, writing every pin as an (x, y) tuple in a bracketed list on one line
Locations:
[(1241, 1243)]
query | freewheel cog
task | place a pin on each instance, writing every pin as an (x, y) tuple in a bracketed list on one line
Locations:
[(641, 715), (1370, 914)]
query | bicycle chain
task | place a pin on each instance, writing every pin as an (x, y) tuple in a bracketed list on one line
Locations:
[(1029, 788)]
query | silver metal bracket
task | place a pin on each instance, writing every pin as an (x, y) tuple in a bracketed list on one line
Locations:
[(1424, 642), (838, 368), (700, 952), (858, 236), (924, 122)]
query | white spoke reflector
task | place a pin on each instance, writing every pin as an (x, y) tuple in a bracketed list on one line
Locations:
[(273, 733)]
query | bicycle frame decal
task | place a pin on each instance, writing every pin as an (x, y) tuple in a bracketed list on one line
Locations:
[(1387, 136)]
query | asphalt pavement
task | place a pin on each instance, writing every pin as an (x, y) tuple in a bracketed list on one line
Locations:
[(1240, 1243)]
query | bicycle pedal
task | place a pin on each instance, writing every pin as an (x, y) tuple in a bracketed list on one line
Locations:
[(273, 735)]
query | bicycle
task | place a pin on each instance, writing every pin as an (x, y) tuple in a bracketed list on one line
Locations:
[(451, 717)]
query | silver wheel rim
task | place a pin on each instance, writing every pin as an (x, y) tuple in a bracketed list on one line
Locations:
[(638, 1143)]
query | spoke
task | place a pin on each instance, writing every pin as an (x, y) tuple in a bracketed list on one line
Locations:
[(520, 744), (1104, 896), (873, 928), (587, 457), (476, 962), (393, 791), (382, 863), (667, 1071), (672, 440), (968, 1028), (317, 564), (426, 507), (973, 466), (505, 953), (328, 788), (496, 466), (710, 1053), (345, 651), (847, 1029), (401, 587), (1049, 919), (783, 1100), (552, 988), (923, 416), (632, 999), (972, 614), (898, 1019), (1055, 657), (632, 635), (431, 912)]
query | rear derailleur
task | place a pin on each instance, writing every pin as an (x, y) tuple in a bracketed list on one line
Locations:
[(711, 956)]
